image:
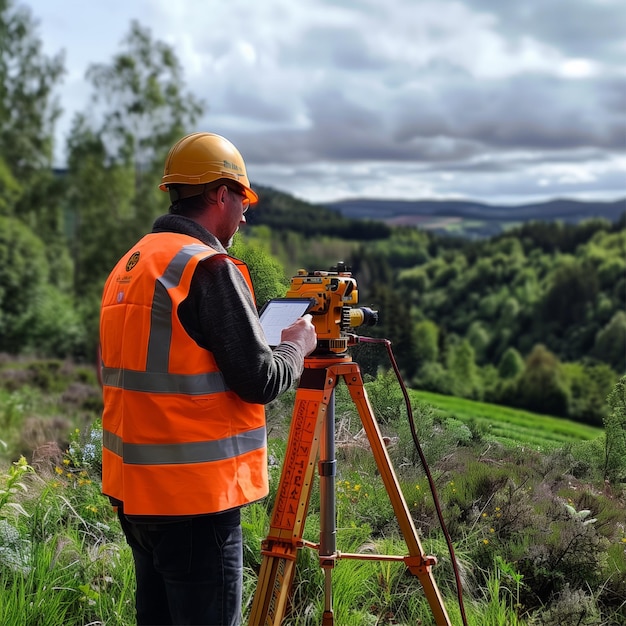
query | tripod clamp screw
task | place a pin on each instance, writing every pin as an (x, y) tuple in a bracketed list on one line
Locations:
[(420, 564)]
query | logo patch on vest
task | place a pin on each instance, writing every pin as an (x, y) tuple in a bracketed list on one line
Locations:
[(134, 259)]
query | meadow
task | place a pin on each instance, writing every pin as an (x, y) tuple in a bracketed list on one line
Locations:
[(539, 536), (509, 425)]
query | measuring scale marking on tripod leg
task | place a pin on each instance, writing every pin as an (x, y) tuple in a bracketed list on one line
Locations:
[(290, 509), (285, 535), (299, 466)]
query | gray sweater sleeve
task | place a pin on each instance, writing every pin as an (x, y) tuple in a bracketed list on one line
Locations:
[(220, 315)]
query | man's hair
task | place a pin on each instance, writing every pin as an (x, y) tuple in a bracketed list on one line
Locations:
[(191, 200), (189, 207)]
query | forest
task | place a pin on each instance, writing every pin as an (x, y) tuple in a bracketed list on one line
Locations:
[(533, 318)]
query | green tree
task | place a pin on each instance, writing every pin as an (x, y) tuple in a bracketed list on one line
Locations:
[(57, 328), (572, 290), (10, 189), (589, 385), (615, 427), (461, 362), (34, 315), (99, 196), (511, 364), (143, 108), (414, 279), (426, 342), (268, 275), (479, 338), (28, 114), (23, 272), (139, 108), (541, 387), (397, 326), (28, 110), (610, 343)]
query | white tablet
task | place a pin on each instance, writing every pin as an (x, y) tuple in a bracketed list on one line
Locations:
[(279, 313)]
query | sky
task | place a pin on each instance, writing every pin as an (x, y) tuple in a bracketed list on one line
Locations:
[(498, 101)]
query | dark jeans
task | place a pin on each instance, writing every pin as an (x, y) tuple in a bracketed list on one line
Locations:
[(188, 572)]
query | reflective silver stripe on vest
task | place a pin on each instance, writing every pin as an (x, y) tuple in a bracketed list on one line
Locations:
[(161, 317), (176, 453), (161, 382)]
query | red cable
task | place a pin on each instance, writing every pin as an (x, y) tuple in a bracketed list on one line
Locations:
[(431, 482)]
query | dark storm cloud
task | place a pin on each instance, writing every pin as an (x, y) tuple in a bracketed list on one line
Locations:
[(510, 162), (458, 121), (342, 130), (537, 111), (523, 112)]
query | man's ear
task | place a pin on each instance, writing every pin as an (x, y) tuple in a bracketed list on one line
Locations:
[(222, 192)]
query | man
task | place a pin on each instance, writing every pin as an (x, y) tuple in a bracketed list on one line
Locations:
[(186, 372)]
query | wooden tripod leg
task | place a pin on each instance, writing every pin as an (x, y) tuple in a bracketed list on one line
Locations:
[(292, 500), (418, 563)]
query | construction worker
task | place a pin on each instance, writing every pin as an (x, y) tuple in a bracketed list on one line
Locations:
[(186, 374)]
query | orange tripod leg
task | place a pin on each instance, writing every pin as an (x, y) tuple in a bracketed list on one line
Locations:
[(292, 500), (418, 563)]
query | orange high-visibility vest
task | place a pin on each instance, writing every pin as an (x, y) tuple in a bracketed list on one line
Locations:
[(176, 440)]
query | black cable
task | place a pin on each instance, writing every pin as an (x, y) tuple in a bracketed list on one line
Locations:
[(431, 482)]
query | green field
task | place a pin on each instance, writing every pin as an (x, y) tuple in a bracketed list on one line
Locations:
[(510, 425)]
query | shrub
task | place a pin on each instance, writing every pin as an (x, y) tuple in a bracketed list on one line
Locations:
[(570, 606), (385, 396), (23, 273), (56, 329), (433, 377), (437, 437), (615, 426), (583, 460)]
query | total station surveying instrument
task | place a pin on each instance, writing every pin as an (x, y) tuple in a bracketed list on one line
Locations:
[(333, 295)]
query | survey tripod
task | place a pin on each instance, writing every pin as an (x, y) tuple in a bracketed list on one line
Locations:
[(312, 435)]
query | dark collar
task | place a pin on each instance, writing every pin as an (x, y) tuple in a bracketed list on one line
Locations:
[(185, 226)]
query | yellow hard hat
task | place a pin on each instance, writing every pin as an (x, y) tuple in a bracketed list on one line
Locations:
[(202, 158)]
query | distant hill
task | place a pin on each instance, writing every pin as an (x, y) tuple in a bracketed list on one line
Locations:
[(474, 219), (282, 212)]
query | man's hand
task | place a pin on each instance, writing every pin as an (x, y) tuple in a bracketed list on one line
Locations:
[(301, 332)]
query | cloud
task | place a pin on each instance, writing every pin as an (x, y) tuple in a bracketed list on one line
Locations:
[(328, 99), (578, 28)]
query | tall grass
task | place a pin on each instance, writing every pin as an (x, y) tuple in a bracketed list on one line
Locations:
[(535, 533), (62, 557)]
